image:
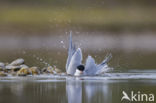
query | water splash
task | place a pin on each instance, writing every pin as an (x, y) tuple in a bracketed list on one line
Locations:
[(63, 44), (41, 60), (105, 77)]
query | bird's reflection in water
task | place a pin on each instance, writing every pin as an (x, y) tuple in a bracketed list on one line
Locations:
[(74, 91), (88, 91)]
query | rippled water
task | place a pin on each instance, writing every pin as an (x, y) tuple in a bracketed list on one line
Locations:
[(64, 89)]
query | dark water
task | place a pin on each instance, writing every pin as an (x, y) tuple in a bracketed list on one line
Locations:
[(72, 91)]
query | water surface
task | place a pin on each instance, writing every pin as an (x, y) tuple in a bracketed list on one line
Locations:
[(71, 90)]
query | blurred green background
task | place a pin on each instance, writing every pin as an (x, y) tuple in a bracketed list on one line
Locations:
[(45, 16)]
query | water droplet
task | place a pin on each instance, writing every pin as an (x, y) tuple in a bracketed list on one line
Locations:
[(24, 52), (41, 59), (61, 42), (37, 58)]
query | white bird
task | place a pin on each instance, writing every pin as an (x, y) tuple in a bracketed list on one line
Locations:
[(74, 62)]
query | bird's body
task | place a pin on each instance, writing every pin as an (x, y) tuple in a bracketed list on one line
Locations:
[(75, 59), (78, 73)]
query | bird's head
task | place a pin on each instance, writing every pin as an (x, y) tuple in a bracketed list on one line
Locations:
[(81, 68)]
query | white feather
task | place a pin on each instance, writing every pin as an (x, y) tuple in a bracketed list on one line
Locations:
[(103, 67), (75, 61), (90, 67), (71, 51)]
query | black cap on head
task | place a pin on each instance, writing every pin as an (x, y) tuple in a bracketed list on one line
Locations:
[(81, 67)]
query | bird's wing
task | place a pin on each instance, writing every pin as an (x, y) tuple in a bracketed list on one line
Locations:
[(103, 70), (103, 67), (71, 51), (75, 61), (104, 62), (90, 67)]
